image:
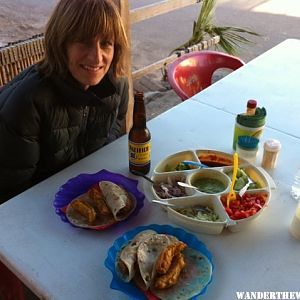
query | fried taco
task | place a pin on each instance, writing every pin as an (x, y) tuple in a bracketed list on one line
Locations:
[(147, 254), (117, 199), (85, 212), (126, 261), (84, 209)]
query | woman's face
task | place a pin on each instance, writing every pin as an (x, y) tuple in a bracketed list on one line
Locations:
[(89, 61)]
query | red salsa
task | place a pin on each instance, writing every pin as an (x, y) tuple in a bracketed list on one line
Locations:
[(246, 206)]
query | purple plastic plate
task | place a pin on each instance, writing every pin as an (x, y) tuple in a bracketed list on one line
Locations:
[(81, 184)]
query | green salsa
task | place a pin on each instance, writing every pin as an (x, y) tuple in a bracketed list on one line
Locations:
[(200, 213), (209, 185)]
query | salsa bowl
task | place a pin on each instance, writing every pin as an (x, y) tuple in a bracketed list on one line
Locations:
[(183, 210)]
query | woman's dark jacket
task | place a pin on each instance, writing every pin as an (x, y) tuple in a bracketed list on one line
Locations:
[(46, 124)]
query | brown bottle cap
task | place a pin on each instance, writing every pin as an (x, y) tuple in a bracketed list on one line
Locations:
[(251, 103)]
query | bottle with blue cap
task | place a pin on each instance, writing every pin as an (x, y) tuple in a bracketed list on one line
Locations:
[(247, 147)]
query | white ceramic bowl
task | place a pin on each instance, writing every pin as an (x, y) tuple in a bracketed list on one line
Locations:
[(209, 174)]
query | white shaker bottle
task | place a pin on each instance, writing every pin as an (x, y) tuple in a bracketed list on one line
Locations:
[(271, 153)]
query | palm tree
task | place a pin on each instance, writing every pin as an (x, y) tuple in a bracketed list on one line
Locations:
[(230, 37)]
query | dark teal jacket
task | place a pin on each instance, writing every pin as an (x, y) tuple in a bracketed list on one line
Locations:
[(46, 124)]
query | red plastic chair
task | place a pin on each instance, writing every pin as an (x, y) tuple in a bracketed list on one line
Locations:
[(191, 73)]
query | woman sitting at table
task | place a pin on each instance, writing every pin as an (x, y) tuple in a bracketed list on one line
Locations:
[(71, 103)]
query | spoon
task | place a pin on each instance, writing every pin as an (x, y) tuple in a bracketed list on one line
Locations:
[(143, 175), (183, 184), (197, 208), (165, 203), (172, 205), (194, 163), (231, 195), (163, 187)]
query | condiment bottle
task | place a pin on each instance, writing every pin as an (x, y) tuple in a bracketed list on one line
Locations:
[(251, 107), (247, 148), (271, 152), (139, 138)]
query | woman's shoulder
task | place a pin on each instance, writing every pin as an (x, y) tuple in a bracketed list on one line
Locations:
[(121, 84), (25, 99), (24, 87)]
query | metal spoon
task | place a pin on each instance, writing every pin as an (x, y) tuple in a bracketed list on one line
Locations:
[(187, 185), (172, 205), (164, 203), (143, 175), (162, 186)]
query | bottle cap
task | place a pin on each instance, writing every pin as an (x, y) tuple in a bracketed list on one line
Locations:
[(248, 142), (251, 103), (272, 145), (258, 120)]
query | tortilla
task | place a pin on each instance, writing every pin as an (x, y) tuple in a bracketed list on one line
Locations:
[(117, 199), (125, 264)]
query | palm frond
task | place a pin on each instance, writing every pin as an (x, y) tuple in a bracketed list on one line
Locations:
[(231, 38), (206, 13)]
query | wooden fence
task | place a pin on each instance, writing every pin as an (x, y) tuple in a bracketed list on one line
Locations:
[(133, 16)]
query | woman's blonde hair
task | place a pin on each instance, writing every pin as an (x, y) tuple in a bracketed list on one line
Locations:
[(82, 20)]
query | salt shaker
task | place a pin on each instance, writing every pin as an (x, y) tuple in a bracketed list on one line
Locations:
[(271, 153)]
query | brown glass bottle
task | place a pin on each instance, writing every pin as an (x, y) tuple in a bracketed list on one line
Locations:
[(139, 138)]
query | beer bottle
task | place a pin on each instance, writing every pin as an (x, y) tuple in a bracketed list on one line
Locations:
[(139, 138)]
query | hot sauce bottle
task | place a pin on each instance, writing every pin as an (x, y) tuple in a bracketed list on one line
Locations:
[(139, 138)]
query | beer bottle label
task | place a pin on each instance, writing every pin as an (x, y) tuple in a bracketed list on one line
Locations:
[(139, 153)]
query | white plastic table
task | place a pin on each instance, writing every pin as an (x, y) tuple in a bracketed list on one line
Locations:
[(272, 79), (58, 261)]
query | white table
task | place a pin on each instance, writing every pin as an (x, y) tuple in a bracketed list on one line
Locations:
[(57, 261), (272, 79)]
